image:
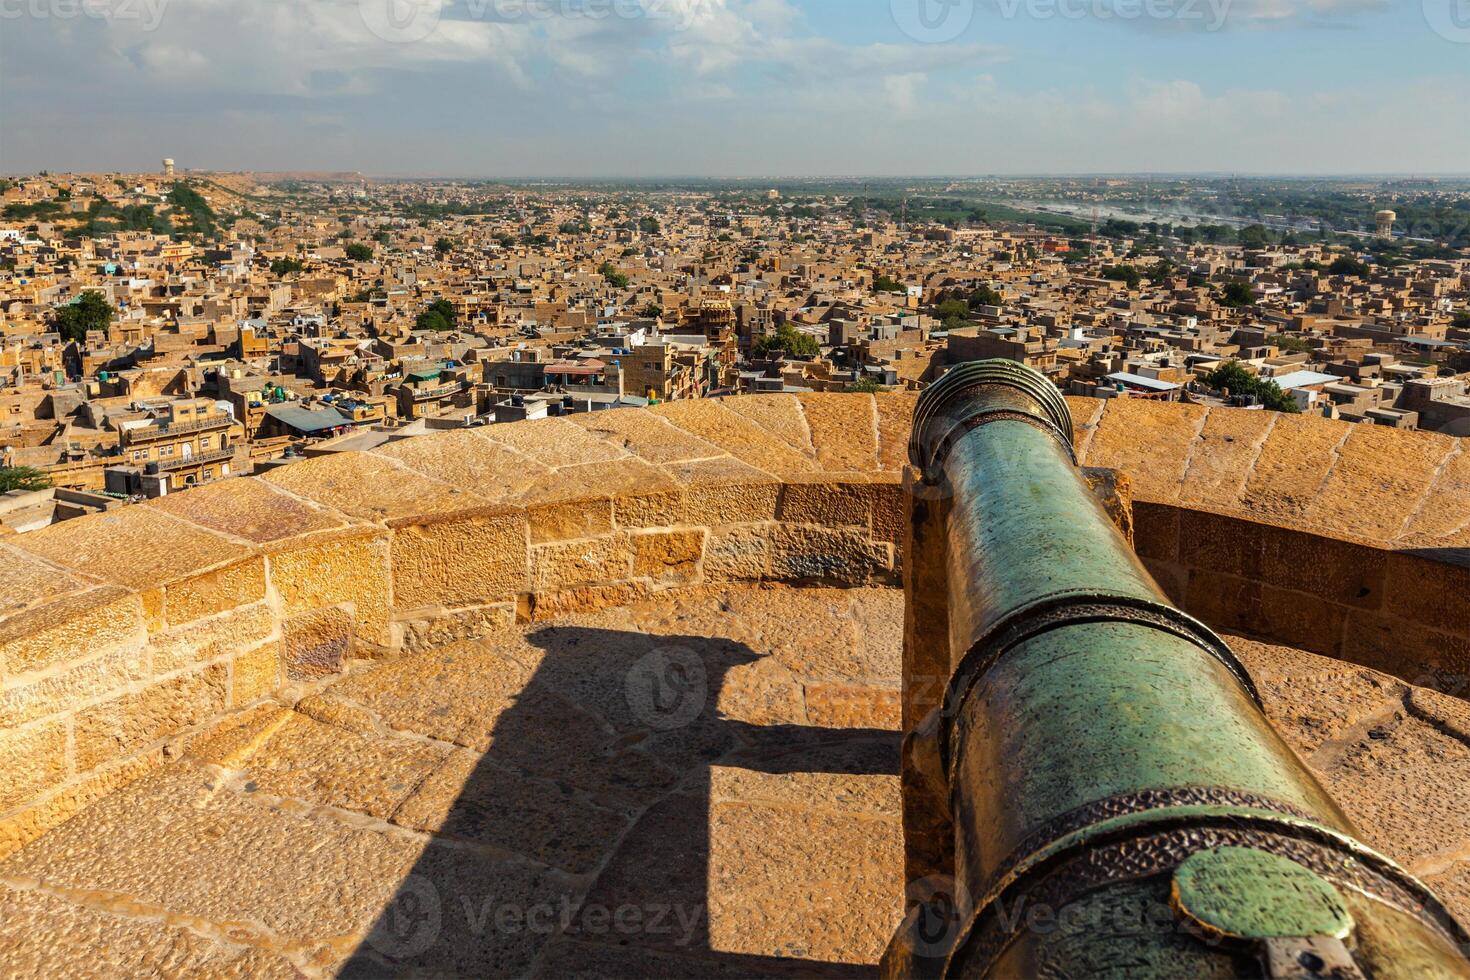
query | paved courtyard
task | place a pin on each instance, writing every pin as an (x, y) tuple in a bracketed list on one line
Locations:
[(701, 784)]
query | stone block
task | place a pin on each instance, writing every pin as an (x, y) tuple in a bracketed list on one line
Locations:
[(63, 690), (1156, 531), (208, 639), (1301, 621), (646, 435), (1224, 602), (547, 606), (349, 569), (1149, 441), (1171, 577), (1221, 545), (831, 503), (466, 459), (71, 628), (1337, 571), (665, 508), (668, 557), (802, 553), (136, 547), (460, 562), (1294, 461), (736, 435), (125, 725), (317, 643), (1221, 457), (1430, 592), (844, 430), (556, 442), (738, 552), (562, 566), (249, 509), (214, 592), (854, 706), (895, 422), (1379, 477), (780, 415), (371, 488), (456, 626), (570, 520), (1410, 650), (255, 674), (26, 825), (27, 581), (33, 760)]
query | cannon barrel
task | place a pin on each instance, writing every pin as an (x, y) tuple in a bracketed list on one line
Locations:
[(1120, 804)]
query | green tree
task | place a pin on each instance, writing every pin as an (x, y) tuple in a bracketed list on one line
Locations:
[(786, 339), (653, 311), (985, 296), (1232, 377), (1253, 236), (22, 478), (285, 265), (358, 252), (886, 284), (1346, 265), (613, 277), (439, 316), (1461, 320), (194, 207), (952, 308), (649, 226), (1123, 273), (1237, 292), (443, 247), (382, 237), (865, 386), (90, 311)]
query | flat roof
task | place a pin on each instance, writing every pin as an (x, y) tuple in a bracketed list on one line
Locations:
[(1304, 379), (1153, 384)]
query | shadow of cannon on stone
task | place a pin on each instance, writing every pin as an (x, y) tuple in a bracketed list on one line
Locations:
[(611, 818)]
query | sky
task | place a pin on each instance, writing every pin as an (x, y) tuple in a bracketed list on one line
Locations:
[(737, 88)]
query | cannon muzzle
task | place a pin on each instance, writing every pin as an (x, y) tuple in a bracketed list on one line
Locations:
[(1097, 789)]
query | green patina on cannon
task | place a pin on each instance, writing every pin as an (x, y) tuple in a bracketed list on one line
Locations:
[(1092, 788)]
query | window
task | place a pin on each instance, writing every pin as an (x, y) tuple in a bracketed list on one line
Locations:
[(165, 451), (204, 441)]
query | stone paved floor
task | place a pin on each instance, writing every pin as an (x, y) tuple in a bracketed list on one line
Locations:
[(699, 785)]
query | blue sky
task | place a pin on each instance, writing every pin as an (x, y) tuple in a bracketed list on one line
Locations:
[(737, 87)]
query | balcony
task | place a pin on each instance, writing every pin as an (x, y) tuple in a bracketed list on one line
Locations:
[(199, 459), (151, 433)]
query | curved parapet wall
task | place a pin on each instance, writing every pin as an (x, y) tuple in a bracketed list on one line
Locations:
[(124, 632)]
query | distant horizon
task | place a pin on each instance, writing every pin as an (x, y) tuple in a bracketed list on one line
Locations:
[(182, 171)]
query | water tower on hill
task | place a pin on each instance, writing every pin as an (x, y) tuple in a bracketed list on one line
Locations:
[(168, 166), (1383, 221)]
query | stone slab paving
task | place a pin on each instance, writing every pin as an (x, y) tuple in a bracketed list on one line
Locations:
[(700, 784)]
